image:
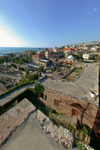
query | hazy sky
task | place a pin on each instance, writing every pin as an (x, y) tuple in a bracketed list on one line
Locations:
[(48, 23)]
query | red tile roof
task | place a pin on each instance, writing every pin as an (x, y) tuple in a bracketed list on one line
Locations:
[(59, 49), (39, 56), (50, 50), (67, 49), (61, 58), (74, 48)]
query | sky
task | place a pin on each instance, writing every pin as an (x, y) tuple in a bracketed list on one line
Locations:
[(48, 23)]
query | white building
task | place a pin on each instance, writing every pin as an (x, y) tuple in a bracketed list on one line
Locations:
[(87, 56), (94, 49), (70, 58)]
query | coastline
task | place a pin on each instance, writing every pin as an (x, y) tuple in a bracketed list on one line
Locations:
[(7, 50)]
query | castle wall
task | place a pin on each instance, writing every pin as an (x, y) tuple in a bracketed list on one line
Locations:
[(84, 111)]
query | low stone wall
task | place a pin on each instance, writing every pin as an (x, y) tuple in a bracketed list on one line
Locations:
[(69, 72), (13, 118), (60, 134)]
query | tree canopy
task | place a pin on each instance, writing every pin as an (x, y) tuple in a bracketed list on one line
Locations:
[(38, 89)]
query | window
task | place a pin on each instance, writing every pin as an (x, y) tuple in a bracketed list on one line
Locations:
[(45, 97), (42, 95), (56, 102)]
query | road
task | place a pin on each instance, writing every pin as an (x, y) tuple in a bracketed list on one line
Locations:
[(8, 97)]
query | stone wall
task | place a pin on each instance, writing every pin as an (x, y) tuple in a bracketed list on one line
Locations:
[(84, 111), (40, 63), (60, 134), (13, 118), (55, 54)]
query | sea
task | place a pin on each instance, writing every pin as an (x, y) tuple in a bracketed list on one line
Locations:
[(7, 50)]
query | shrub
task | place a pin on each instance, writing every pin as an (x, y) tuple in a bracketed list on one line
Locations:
[(32, 77), (13, 65), (21, 68), (48, 110), (38, 89), (81, 146)]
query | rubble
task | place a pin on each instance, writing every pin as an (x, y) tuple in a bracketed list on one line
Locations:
[(60, 134)]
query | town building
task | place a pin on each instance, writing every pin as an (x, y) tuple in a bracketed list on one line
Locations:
[(40, 60), (87, 56), (94, 48), (67, 52), (53, 53), (74, 99), (70, 58)]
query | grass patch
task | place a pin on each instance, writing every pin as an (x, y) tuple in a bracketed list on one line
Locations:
[(97, 59), (74, 74), (77, 70)]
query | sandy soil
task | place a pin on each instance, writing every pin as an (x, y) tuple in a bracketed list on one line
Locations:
[(30, 136)]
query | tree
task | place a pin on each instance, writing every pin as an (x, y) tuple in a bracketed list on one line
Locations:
[(98, 50), (46, 49), (21, 68), (33, 52), (68, 46), (38, 89), (13, 65), (32, 77), (40, 69), (27, 71)]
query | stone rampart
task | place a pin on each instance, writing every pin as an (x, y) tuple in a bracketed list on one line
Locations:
[(13, 118)]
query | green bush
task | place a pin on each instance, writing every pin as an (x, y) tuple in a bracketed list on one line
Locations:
[(32, 77), (13, 65), (85, 129), (97, 58), (38, 89), (28, 79), (81, 146), (48, 110), (21, 68), (56, 121)]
